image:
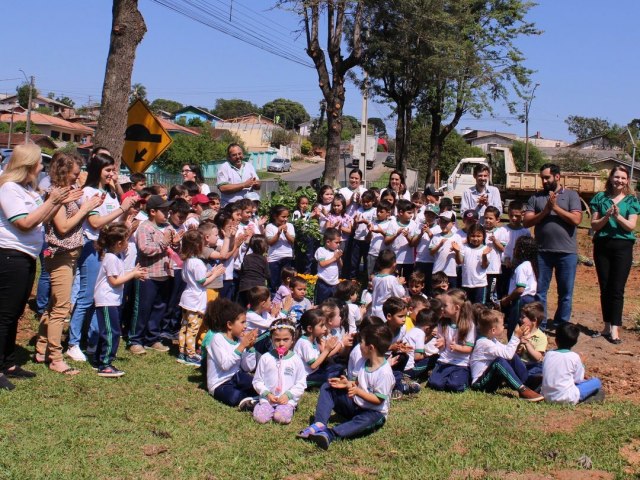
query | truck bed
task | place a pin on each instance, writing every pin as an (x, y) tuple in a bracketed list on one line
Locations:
[(586, 184)]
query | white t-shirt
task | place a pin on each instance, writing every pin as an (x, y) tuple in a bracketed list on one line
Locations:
[(524, 277), (347, 193), (109, 205), (486, 350), (194, 296), (355, 317), (404, 252), (204, 189), (473, 274), (354, 358), (450, 334), (282, 248), (384, 286), (423, 255), (259, 322), (331, 273), (308, 352), (415, 338), (377, 239), (379, 382), (242, 251), (104, 295), (509, 236), (277, 376), (561, 370), (228, 174), (17, 202), (406, 195), (494, 257), (362, 229), (223, 360), (444, 259)]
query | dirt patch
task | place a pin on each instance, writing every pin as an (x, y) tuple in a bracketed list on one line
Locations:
[(564, 421), (631, 453), (557, 475)]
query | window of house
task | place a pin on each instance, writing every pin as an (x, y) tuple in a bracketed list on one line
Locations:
[(55, 134), (66, 137)]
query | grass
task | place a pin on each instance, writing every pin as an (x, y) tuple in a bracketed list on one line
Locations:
[(89, 427)]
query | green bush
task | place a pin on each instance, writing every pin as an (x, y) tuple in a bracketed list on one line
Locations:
[(306, 147)]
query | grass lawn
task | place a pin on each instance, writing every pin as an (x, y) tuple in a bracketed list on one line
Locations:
[(156, 422)]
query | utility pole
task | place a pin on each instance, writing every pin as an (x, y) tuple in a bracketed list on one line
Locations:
[(633, 156), (28, 133), (10, 128), (527, 107), (363, 130)]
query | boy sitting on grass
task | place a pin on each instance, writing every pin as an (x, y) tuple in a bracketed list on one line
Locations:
[(533, 345)]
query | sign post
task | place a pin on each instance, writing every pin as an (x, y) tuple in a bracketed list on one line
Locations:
[(145, 138)]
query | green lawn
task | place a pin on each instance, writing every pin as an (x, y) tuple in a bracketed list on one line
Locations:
[(89, 427)]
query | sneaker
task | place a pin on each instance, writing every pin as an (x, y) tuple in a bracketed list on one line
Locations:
[(181, 358), (158, 347), (137, 349), (396, 394), (109, 371), (75, 354), (321, 439), (193, 360), (529, 395), (414, 388), (18, 372), (247, 404)]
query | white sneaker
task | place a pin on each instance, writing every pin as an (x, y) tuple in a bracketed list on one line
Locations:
[(74, 353)]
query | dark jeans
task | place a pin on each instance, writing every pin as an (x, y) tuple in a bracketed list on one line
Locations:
[(274, 271), (421, 368), (304, 261), (359, 420), (404, 270), (152, 305), (43, 291), (17, 274), (323, 291), (173, 316), (475, 294), (109, 334), (427, 269), (565, 265), (234, 390), (323, 373), (503, 282), (453, 282), (359, 253), (491, 278), (228, 289), (449, 378), (513, 371), (513, 313), (613, 261)]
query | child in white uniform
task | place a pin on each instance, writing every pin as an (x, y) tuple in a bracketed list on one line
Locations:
[(385, 283)]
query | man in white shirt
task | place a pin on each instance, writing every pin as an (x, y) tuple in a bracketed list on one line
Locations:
[(235, 177), (481, 195)]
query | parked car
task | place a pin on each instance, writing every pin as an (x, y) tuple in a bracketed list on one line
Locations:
[(279, 165), (390, 161)]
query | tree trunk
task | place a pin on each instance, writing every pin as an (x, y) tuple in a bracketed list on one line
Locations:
[(435, 147), (127, 30), (334, 132), (400, 137)]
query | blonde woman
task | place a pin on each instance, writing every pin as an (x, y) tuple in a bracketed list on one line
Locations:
[(63, 235), (22, 214)]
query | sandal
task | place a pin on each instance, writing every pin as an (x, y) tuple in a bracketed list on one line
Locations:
[(312, 430), (38, 358), (64, 369)]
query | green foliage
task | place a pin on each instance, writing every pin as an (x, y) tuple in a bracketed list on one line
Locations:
[(290, 113), (67, 101), (234, 107), (198, 149), (4, 128), (536, 157), (138, 92), (570, 160), (285, 196), (587, 127), (21, 127), (166, 105), (70, 148), (306, 147), (195, 122), (280, 136), (379, 128), (23, 94), (44, 110)]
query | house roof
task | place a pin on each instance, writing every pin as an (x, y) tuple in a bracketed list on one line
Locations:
[(249, 117), (174, 127), (19, 139), (577, 144), (39, 97), (42, 119), (191, 108), (473, 134)]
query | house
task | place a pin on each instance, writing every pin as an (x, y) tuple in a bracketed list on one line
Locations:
[(174, 129), (57, 128), (251, 119), (486, 140), (57, 108), (599, 142), (190, 112), (304, 129), (43, 141)]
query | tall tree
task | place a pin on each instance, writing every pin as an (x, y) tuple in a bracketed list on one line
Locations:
[(23, 94), (332, 66), (234, 107), (290, 113), (138, 92), (170, 106), (379, 128), (587, 127), (67, 101), (127, 30)]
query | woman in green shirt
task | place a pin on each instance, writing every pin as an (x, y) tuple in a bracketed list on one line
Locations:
[(614, 215)]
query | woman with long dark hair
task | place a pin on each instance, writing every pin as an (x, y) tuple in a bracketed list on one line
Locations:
[(615, 213), (398, 185), (101, 180), (193, 173)]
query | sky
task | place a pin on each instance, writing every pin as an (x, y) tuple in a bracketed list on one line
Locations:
[(585, 61)]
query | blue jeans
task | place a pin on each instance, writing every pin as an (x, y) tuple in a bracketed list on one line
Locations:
[(323, 373), (43, 291), (449, 378), (234, 390), (173, 316), (588, 388), (84, 311), (109, 323), (152, 305), (323, 291), (359, 420), (359, 252), (427, 269), (275, 269), (565, 265)]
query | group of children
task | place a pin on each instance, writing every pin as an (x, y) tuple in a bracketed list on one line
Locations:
[(221, 282)]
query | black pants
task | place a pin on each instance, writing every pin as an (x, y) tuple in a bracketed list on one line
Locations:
[(613, 262), (17, 274)]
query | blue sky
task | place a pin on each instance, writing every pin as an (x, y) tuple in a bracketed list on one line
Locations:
[(585, 60)]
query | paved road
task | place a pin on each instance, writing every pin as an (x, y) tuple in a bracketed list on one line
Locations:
[(315, 171)]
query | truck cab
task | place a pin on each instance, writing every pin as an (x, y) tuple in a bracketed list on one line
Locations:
[(462, 177)]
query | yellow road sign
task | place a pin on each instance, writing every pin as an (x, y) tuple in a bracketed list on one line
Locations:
[(145, 138)]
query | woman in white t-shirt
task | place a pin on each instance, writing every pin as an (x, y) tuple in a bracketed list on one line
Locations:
[(101, 179), (22, 213), (353, 191), (192, 173), (398, 185), (280, 236)]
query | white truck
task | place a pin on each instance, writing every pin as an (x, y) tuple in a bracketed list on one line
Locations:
[(370, 154)]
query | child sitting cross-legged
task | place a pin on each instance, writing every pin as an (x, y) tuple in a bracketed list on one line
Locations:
[(365, 403), (424, 354), (280, 377), (493, 363), (563, 379), (533, 345), (395, 312)]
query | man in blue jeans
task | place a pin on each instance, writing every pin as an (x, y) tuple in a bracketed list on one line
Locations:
[(555, 213)]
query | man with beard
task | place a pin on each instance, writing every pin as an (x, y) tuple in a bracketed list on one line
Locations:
[(482, 195), (555, 213)]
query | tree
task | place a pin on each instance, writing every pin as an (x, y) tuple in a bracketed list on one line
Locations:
[(195, 122), (333, 66), (166, 105), (536, 157), (21, 127), (571, 160), (379, 128), (234, 107), (23, 94), (127, 30), (44, 110), (589, 127), (67, 101), (290, 113), (280, 136), (138, 92), (476, 65)]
